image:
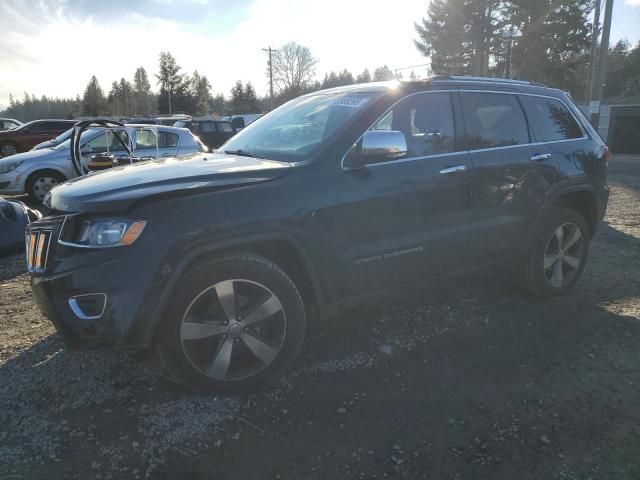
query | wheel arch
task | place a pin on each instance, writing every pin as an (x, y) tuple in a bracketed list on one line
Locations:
[(582, 200), (283, 249)]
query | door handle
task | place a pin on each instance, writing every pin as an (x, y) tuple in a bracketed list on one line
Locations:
[(457, 168), (539, 157)]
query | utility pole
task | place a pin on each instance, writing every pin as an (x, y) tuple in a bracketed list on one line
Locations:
[(270, 51), (594, 50), (507, 72), (602, 64)]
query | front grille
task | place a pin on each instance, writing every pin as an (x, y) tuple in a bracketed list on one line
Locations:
[(38, 243)]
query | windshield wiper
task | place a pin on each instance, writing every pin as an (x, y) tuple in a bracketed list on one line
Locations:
[(242, 153)]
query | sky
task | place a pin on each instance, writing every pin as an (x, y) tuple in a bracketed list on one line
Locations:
[(52, 47)]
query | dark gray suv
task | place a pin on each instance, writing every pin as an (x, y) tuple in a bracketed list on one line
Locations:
[(333, 199)]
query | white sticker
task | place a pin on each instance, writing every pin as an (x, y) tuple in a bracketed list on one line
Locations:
[(352, 102)]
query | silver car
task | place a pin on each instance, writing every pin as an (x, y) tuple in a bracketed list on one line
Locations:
[(38, 171)]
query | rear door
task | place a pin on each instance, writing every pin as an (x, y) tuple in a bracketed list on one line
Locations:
[(225, 132), (406, 219), (511, 174)]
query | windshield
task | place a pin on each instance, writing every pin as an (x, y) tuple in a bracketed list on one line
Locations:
[(62, 137), (295, 130)]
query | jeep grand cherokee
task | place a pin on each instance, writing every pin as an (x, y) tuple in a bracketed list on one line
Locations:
[(332, 199)]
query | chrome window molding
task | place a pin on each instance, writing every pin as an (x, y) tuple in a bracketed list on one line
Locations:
[(462, 152)]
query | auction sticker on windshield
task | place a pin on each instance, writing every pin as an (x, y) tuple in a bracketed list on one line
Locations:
[(353, 102)]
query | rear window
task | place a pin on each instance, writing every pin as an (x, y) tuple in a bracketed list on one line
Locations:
[(550, 120), (493, 120), (207, 127)]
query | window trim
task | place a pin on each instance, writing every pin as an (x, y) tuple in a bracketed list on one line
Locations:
[(585, 134), (342, 167)]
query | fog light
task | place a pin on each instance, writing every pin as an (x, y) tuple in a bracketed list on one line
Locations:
[(88, 307)]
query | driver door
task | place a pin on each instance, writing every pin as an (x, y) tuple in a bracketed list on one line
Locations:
[(406, 219)]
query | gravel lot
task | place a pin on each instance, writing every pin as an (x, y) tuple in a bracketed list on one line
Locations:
[(467, 379)]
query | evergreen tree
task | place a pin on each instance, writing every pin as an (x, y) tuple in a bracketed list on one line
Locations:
[(172, 88), (201, 92), (382, 73), (93, 101), (113, 99), (364, 77), (142, 92)]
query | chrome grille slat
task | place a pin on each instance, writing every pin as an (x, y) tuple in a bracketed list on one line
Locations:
[(38, 243)]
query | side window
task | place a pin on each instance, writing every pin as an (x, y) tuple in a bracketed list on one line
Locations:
[(98, 144), (207, 127), (550, 120), (145, 139), (168, 140), (493, 120), (225, 127), (38, 127), (426, 120)]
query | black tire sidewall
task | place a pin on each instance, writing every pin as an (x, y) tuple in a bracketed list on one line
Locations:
[(203, 276), (556, 217)]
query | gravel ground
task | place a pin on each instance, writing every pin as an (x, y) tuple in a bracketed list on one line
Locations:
[(466, 379)]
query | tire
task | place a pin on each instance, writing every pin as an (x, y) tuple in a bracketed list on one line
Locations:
[(40, 182), (214, 344), (549, 271), (8, 148)]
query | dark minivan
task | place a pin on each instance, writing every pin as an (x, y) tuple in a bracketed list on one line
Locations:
[(331, 200)]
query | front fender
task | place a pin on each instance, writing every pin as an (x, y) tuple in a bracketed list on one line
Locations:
[(170, 272)]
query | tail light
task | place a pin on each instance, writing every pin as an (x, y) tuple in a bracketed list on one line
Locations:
[(606, 153)]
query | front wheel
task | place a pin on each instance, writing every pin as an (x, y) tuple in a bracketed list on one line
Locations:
[(234, 324), (557, 258), (40, 183)]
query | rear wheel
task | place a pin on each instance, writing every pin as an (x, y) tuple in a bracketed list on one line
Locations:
[(8, 149), (235, 323), (40, 183), (557, 258)]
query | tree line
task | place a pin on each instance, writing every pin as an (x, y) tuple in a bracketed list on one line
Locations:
[(179, 92), (539, 40), (547, 41)]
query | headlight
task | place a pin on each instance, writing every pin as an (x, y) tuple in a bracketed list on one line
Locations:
[(6, 167), (109, 233)]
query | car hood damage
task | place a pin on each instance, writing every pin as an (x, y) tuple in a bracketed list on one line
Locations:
[(120, 188)]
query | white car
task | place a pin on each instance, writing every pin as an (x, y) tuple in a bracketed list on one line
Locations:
[(38, 171)]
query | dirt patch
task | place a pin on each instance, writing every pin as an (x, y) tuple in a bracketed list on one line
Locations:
[(467, 379)]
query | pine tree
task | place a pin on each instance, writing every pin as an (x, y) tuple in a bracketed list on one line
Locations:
[(382, 73), (93, 101), (141, 92), (364, 77), (172, 88)]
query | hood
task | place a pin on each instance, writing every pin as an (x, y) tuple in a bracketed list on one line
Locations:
[(118, 189), (30, 155)]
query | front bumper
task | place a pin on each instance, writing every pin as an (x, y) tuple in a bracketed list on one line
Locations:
[(121, 275), (12, 183)]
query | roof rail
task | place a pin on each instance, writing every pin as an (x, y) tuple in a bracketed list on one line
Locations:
[(468, 78)]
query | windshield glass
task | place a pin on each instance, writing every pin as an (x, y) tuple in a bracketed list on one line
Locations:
[(295, 130), (62, 137)]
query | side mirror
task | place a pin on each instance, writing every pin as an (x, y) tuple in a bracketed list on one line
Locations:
[(377, 146)]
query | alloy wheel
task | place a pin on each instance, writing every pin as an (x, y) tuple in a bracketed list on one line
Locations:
[(233, 330), (43, 185), (563, 254)]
